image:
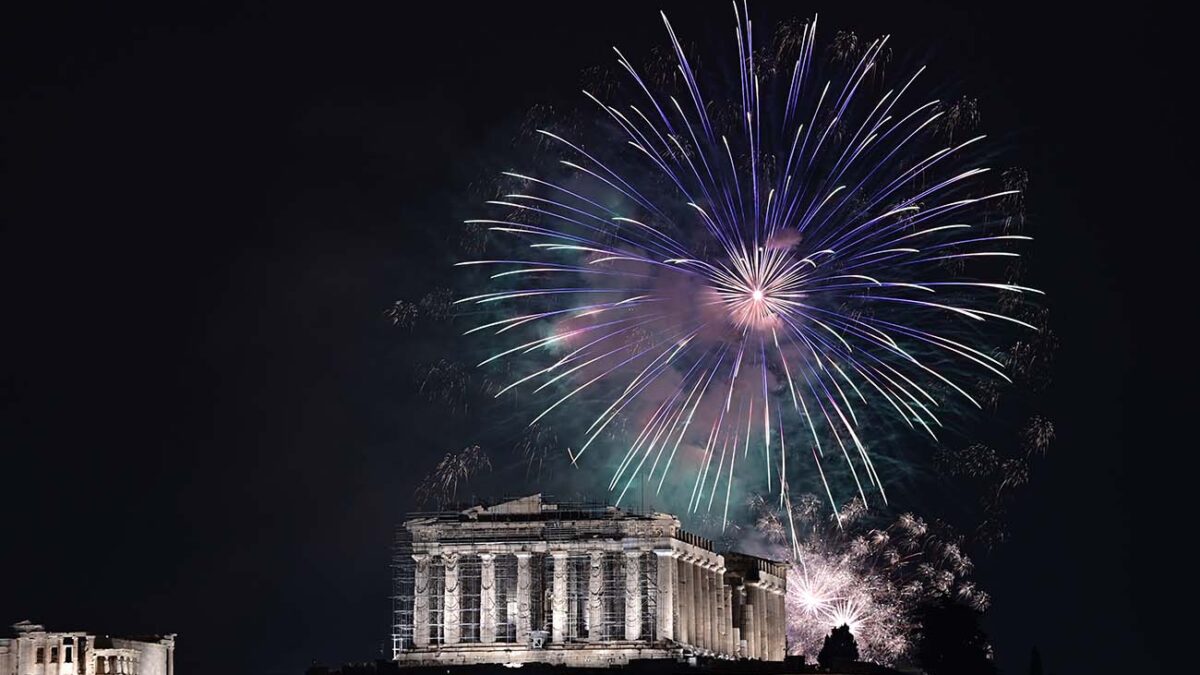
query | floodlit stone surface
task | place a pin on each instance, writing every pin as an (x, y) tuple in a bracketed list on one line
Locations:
[(33, 650), (576, 584)]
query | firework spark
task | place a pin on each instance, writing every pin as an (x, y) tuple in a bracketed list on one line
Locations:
[(808, 255)]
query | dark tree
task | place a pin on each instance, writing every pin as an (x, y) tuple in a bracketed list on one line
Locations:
[(952, 641), (1035, 662), (839, 648)]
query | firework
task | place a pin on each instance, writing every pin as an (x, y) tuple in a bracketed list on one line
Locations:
[(816, 254), (872, 579), (536, 445), (440, 487), (403, 314)]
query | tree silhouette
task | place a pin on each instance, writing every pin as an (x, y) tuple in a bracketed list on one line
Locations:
[(952, 641), (839, 648)]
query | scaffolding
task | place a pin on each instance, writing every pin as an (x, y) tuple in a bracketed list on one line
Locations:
[(506, 598), (648, 583), (437, 600), (403, 573), (612, 626), (470, 569)]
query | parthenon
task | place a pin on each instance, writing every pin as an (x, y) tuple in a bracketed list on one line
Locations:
[(576, 584)]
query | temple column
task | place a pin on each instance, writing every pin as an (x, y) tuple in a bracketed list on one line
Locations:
[(558, 601), (524, 600), (595, 614), (730, 642), (772, 623), (699, 616), (706, 607), (666, 596), (768, 625), (721, 611), (487, 597), (633, 595), (748, 628), (714, 608), (760, 620), (781, 623), (676, 595), (684, 568), (421, 600), (451, 616)]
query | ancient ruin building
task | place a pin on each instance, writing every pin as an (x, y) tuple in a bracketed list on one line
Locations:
[(576, 584), (33, 650)]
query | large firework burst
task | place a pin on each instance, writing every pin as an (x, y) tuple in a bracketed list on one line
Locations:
[(808, 254)]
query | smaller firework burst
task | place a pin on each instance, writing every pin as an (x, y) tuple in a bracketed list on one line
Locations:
[(844, 571), (445, 383), (537, 445), (438, 304), (440, 487), (1037, 435), (402, 314)]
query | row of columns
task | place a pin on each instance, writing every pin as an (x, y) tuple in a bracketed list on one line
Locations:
[(116, 665), (488, 608), (762, 616), (692, 601), (694, 605)]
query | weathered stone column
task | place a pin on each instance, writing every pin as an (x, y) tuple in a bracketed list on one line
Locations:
[(772, 623), (767, 625), (699, 613), (451, 616), (722, 610), (524, 599), (705, 603), (558, 601), (665, 602), (421, 600), (781, 623), (730, 642), (713, 600), (749, 632), (685, 599), (633, 595), (487, 597), (760, 620), (595, 614)]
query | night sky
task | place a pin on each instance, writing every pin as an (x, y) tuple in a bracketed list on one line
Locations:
[(207, 426)]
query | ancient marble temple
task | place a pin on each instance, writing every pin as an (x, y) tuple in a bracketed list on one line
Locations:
[(576, 584)]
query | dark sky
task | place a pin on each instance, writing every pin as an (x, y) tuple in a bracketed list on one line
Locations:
[(205, 424)]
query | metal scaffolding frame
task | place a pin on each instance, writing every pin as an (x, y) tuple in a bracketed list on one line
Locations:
[(649, 589), (506, 598), (403, 573), (437, 600), (578, 627), (613, 603), (470, 598)]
